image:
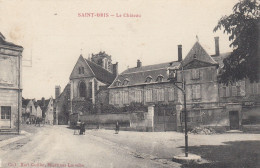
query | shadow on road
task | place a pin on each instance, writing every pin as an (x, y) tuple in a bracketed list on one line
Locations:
[(234, 154)]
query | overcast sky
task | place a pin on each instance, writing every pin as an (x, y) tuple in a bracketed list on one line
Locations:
[(53, 35)]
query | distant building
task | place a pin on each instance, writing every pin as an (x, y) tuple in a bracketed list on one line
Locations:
[(10, 84), (47, 107), (87, 77), (29, 113), (63, 106)]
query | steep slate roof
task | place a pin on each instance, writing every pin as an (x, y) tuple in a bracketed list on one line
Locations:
[(219, 59), (3, 42), (100, 73), (201, 55), (137, 76), (25, 102)]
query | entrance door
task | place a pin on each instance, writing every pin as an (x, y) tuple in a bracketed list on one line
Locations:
[(5, 121), (234, 120)]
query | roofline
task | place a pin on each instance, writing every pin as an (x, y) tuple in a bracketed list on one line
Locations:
[(88, 65), (140, 84), (216, 64), (98, 65), (113, 81)]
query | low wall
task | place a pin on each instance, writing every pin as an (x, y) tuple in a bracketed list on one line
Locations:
[(140, 121)]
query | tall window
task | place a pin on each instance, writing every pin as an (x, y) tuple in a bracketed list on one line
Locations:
[(196, 92), (82, 89), (138, 96), (171, 94), (5, 112), (117, 97), (149, 95), (81, 70), (160, 94), (125, 97), (234, 90), (195, 74)]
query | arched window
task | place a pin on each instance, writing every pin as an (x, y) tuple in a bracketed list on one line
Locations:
[(126, 81), (148, 79), (159, 78), (82, 89), (118, 83)]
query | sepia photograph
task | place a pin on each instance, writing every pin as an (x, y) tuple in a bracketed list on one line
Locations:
[(129, 84)]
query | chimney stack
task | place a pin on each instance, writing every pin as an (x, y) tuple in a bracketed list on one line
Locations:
[(57, 91), (179, 53), (139, 63), (216, 46), (115, 69)]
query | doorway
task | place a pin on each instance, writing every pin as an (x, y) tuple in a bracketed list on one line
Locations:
[(234, 120)]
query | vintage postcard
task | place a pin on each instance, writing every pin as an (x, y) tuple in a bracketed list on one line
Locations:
[(129, 83)]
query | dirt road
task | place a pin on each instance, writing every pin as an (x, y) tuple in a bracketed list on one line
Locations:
[(56, 146)]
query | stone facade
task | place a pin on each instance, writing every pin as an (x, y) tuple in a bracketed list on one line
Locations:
[(86, 79), (143, 84), (210, 103), (10, 84)]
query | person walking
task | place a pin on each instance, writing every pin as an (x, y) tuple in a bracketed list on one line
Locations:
[(117, 128)]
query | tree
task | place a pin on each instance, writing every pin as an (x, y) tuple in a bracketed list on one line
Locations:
[(243, 27)]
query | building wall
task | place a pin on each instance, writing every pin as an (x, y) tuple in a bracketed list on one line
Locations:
[(49, 119), (38, 112), (9, 75), (9, 98), (63, 108), (146, 94)]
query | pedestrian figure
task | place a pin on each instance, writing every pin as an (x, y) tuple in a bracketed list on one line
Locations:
[(82, 128), (77, 128), (117, 128)]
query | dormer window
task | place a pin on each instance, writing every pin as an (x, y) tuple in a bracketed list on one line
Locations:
[(159, 78), (126, 81), (148, 79), (118, 83)]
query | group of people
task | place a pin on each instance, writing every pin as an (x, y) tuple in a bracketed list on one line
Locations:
[(81, 126)]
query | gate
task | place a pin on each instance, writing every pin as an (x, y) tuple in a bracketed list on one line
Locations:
[(165, 118), (234, 120)]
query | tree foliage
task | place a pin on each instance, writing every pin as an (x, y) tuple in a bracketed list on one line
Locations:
[(243, 27)]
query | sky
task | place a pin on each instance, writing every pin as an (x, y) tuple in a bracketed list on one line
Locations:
[(53, 35)]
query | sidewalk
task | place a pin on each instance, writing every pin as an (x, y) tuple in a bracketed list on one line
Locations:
[(7, 139), (217, 149)]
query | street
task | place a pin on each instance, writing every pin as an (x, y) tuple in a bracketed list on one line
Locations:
[(56, 146)]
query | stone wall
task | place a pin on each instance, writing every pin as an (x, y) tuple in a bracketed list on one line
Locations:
[(141, 121)]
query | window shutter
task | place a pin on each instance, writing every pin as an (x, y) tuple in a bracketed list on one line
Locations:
[(234, 90), (171, 94), (242, 88), (193, 91)]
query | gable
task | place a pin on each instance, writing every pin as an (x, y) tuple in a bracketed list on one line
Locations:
[(198, 53), (87, 70)]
